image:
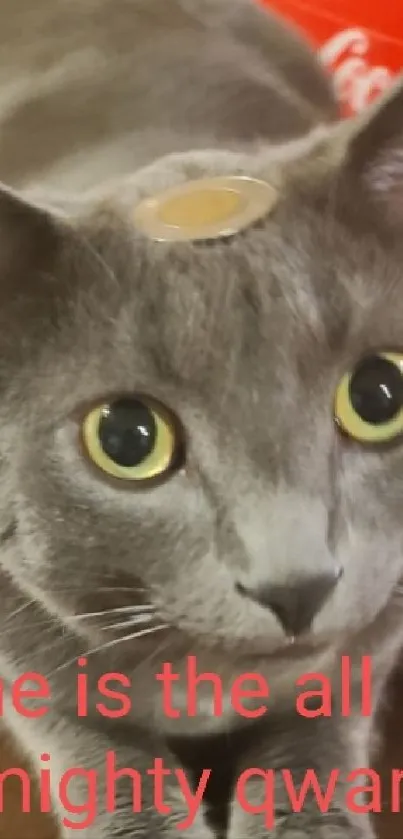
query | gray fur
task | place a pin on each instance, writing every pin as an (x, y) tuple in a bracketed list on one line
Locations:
[(246, 341)]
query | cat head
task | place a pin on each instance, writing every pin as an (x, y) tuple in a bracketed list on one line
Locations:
[(213, 427)]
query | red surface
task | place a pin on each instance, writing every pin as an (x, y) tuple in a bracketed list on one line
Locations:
[(360, 42)]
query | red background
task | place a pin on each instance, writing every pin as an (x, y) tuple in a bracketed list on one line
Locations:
[(380, 25)]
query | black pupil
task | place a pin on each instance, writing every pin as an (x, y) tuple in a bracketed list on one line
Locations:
[(127, 432), (376, 390)]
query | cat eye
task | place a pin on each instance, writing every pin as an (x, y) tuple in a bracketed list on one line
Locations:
[(132, 439), (369, 400)]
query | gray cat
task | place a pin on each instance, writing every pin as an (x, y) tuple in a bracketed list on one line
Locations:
[(200, 439)]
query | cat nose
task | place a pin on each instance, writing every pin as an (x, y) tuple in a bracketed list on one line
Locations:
[(295, 605)]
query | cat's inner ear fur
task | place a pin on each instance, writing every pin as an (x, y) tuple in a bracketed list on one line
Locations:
[(374, 161)]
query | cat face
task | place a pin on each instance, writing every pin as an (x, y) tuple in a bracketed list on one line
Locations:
[(224, 362)]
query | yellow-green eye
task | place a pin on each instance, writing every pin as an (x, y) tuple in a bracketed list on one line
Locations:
[(369, 400), (131, 439)]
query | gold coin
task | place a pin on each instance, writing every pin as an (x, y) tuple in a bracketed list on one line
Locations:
[(198, 209), (205, 209)]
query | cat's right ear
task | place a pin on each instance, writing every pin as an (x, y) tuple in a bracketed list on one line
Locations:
[(373, 166), (28, 237)]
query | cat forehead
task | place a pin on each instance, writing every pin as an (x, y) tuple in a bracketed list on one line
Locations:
[(299, 279), (192, 301), (297, 282)]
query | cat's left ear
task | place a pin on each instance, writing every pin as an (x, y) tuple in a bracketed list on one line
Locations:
[(374, 162)]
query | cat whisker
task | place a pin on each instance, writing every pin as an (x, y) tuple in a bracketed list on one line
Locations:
[(157, 651), (19, 609), (128, 622), (148, 610), (148, 607), (100, 261), (100, 589), (47, 624), (132, 636), (131, 589)]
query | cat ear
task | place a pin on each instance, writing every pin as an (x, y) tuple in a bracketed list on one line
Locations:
[(24, 225), (28, 237), (19, 218), (374, 161)]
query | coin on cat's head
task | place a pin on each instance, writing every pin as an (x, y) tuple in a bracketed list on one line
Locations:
[(205, 209)]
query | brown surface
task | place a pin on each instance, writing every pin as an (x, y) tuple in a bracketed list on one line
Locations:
[(391, 824), (13, 823), (16, 825)]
